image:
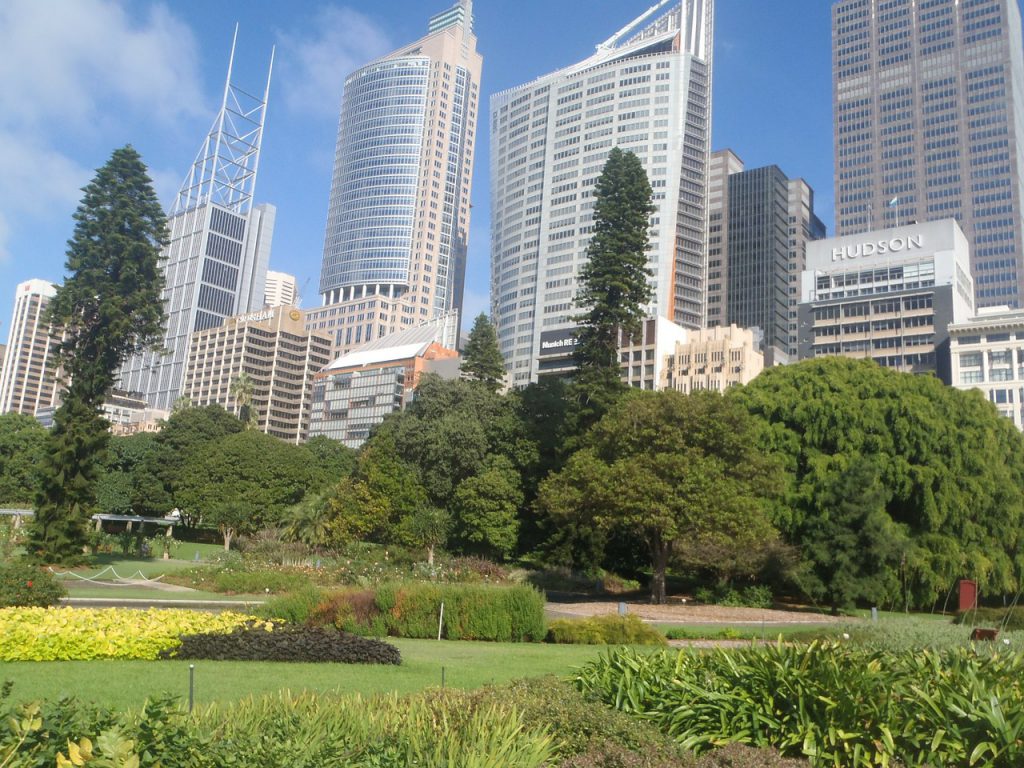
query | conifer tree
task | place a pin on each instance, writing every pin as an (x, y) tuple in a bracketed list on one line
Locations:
[(108, 308), (614, 283), (481, 357)]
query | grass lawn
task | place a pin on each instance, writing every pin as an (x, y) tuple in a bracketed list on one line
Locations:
[(747, 631), (125, 684), (117, 591)]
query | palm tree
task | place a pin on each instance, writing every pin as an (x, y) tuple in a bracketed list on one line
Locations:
[(241, 391)]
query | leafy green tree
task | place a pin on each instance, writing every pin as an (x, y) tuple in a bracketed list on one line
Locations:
[(614, 283), (427, 527), (950, 470), (486, 506), (358, 512), (108, 309), (331, 460), (22, 443), (309, 522), (264, 475), (231, 516), (679, 471), (481, 357)]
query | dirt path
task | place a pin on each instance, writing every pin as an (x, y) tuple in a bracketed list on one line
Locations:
[(690, 614)]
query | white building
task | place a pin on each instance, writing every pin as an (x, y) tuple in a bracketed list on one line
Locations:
[(647, 90), (216, 259), (987, 353), (281, 290), (888, 295), (27, 377)]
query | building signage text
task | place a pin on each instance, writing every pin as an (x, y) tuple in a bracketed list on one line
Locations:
[(878, 247), (256, 317)]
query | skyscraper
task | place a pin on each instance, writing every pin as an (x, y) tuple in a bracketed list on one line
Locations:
[(281, 289), (759, 224), (398, 218), (216, 260), (646, 90), (27, 378), (929, 124)]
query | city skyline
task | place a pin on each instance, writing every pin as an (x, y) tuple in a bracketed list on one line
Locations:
[(186, 50)]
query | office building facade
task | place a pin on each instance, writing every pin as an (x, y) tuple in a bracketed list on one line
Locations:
[(713, 359), (216, 259), (987, 354), (398, 218), (358, 390), (281, 290), (646, 90), (279, 356), (27, 379), (759, 223), (888, 295), (929, 124)]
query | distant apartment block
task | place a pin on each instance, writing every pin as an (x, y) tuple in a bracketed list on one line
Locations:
[(398, 217), (281, 290), (713, 359), (888, 295), (646, 90), (987, 353), (359, 389), (759, 223), (642, 358), (278, 354), (27, 379), (928, 108)]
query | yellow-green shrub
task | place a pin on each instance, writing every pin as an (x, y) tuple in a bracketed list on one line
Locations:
[(604, 630), (63, 634)]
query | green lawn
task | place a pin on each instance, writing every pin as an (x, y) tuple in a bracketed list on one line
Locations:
[(125, 684), (118, 591), (747, 631)]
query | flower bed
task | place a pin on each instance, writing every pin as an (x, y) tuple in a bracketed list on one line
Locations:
[(65, 634)]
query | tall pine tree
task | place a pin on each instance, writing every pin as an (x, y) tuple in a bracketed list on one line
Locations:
[(481, 357), (614, 283), (108, 309)]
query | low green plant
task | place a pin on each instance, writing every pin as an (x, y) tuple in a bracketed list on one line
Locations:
[(604, 630), (294, 607), (23, 585), (837, 704), (265, 641), (754, 596), (1011, 619)]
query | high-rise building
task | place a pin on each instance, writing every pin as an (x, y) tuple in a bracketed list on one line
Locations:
[(216, 261), (27, 380), (646, 90), (759, 223), (714, 359), (281, 290), (986, 354), (280, 357), (929, 124), (889, 295), (398, 218)]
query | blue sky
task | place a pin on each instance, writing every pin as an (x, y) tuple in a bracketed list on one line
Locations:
[(79, 78)]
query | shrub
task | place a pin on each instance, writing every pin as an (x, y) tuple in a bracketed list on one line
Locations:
[(295, 607), (838, 704), (60, 634), (1011, 619), (754, 596), (231, 581), (560, 579), (604, 630), (263, 641), (23, 585), (412, 609)]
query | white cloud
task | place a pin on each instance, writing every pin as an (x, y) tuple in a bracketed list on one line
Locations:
[(314, 66), (62, 61)]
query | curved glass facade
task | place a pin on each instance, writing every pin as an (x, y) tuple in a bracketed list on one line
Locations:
[(373, 195)]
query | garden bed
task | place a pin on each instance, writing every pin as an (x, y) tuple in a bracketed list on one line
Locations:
[(689, 613)]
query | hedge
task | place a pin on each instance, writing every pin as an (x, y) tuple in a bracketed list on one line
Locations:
[(268, 642), (604, 630)]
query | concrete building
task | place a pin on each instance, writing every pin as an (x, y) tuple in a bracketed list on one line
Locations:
[(27, 380), (643, 358), (646, 90), (281, 290), (929, 124), (398, 219), (987, 353), (359, 389), (888, 295), (759, 224), (278, 354), (713, 358), (216, 260)]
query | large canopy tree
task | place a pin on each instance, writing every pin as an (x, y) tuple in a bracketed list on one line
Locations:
[(108, 308), (940, 497), (614, 283), (22, 442), (481, 357), (682, 472)]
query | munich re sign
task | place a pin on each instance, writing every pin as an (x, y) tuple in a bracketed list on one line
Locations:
[(878, 247)]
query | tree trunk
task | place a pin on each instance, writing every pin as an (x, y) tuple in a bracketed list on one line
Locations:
[(430, 555), (659, 560), (228, 534)]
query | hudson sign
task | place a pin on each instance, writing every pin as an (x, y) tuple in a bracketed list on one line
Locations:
[(878, 247)]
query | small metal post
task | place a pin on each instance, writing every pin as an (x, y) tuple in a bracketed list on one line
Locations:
[(191, 686), (197, 556), (440, 624), (622, 609), (874, 615)]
